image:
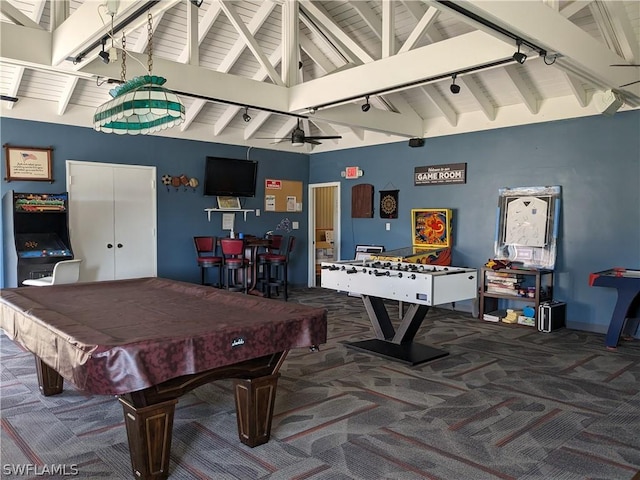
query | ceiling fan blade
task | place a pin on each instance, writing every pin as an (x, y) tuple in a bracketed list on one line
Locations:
[(627, 84), (625, 65), (312, 141), (326, 137)]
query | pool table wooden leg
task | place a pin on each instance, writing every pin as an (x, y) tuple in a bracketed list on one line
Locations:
[(49, 381), (149, 431), (255, 398)]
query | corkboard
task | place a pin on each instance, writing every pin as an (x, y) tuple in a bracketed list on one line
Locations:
[(282, 195), (362, 201)]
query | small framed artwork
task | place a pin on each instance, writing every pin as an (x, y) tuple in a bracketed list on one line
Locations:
[(229, 203), (28, 163)]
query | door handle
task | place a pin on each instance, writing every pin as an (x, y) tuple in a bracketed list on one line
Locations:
[(109, 245)]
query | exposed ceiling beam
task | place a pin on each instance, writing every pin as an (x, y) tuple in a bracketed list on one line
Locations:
[(525, 93), (335, 31), (17, 17), (388, 30), (67, 93), (540, 24), (471, 84), (376, 120), (86, 25), (441, 104), (204, 26), (251, 42), (203, 82), (476, 48)]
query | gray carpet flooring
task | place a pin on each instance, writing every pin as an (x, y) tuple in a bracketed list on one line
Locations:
[(508, 402)]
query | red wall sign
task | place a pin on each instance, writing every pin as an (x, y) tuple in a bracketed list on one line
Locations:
[(273, 184)]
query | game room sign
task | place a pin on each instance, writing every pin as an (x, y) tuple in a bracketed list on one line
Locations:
[(441, 174)]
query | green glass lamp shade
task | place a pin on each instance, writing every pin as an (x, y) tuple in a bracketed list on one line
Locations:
[(140, 106)]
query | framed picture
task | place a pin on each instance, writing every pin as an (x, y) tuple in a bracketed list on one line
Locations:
[(229, 203), (28, 163)]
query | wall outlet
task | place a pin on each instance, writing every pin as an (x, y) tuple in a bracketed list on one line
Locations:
[(295, 225), (257, 212), (387, 226)]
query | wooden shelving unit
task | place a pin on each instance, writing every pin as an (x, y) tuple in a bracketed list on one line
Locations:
[(540, 281)]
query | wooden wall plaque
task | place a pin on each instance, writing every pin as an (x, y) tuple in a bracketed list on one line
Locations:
[(362, 201)]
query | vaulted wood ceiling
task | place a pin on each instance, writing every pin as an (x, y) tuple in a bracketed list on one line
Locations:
[(321, 59)]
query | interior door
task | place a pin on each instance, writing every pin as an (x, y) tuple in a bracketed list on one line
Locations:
[(135, 222), (92, 219)]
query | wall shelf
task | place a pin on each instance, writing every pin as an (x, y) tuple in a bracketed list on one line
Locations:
[(243, 210)]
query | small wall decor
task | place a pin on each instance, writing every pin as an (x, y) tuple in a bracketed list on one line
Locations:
[(178, 181), (28, 163), (389, 203), (362, 201), (284, 225)]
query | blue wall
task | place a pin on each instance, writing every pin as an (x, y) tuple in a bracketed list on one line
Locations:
[(596, 161), (180, 213)]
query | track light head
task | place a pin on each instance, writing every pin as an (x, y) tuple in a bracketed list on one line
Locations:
[(245, 116), (197, 3), (518, 56), (455, 89), (104, 56), (367, 105)]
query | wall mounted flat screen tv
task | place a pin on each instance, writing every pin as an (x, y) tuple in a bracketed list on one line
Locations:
[(230, 177)]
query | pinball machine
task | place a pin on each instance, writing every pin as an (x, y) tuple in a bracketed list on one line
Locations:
[(431, 239), (36, 235)]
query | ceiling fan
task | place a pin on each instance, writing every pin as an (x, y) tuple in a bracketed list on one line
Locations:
[(298, 137), (626, 65)]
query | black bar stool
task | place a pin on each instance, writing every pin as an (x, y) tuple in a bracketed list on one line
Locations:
[(277, 269), (206, 251), (235, 264)]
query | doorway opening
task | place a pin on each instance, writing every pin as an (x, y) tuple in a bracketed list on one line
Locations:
[(324, 227)]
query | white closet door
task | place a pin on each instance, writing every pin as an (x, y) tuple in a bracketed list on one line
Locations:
[(135, 226), (112, 217), (91, 219)]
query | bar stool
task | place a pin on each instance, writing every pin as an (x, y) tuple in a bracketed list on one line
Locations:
[(275, 244), (277, 269), (206, 251), (235, 264)]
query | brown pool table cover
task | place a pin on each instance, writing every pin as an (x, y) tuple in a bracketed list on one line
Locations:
[(121, 336)]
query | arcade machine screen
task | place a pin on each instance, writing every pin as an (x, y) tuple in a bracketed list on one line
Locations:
[(41, 245)]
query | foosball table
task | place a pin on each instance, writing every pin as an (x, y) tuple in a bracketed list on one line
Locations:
[(420, 286)]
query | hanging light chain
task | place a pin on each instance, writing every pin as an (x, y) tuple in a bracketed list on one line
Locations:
[(123, 72), (150, 42)]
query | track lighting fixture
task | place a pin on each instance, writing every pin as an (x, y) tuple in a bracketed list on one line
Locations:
[(245, 116), (104, 55), (518, 56), (366, 106), (455, 89)]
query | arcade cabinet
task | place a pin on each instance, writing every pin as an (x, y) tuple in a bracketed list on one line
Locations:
[(36, 235)]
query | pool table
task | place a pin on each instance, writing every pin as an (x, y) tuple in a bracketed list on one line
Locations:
[(151, 340)]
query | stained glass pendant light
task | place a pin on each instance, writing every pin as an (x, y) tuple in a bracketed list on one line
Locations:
[(141, 105)]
